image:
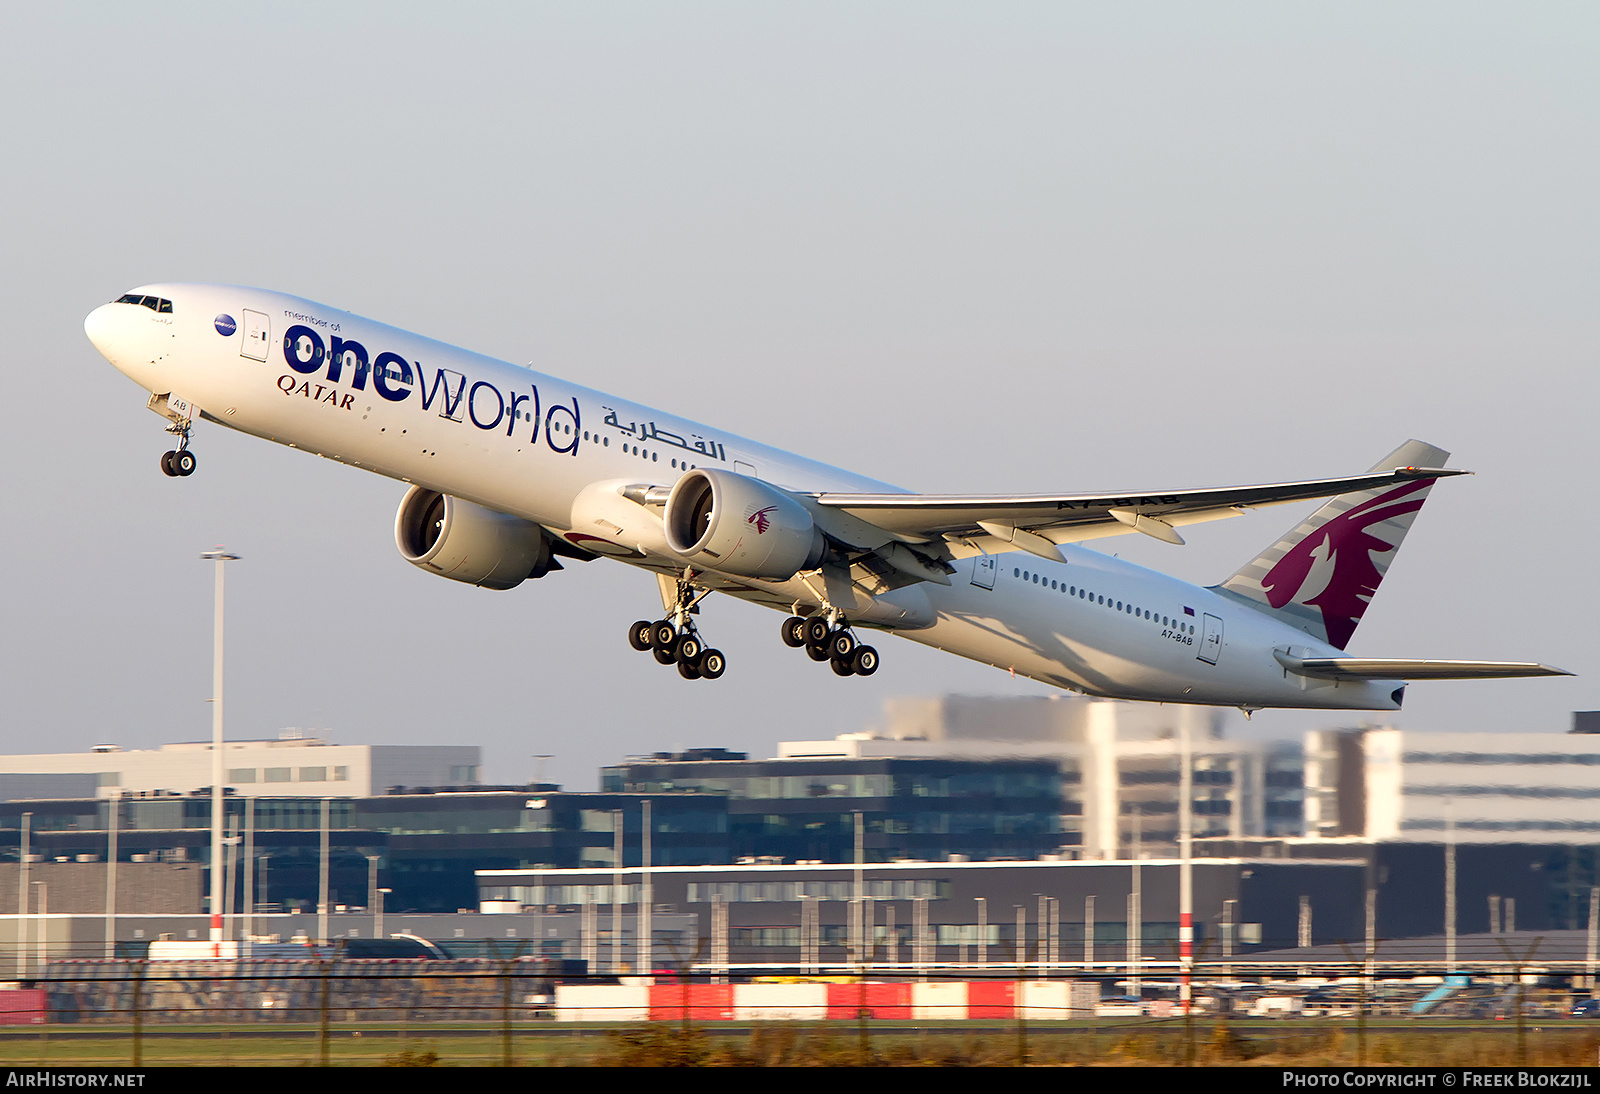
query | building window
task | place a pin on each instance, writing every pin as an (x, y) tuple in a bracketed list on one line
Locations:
[(595, 820), (770, 892), (313, 774), (277, 775), (341, 774), (241, 774)]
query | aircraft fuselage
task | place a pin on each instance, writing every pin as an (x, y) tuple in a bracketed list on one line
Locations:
[(539, 448)]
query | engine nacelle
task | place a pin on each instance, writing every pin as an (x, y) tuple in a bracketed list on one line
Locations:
[(719, 520), (466, 542)]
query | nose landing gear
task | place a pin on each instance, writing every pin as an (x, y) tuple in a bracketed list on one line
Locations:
[(180, 462), (676, 640)]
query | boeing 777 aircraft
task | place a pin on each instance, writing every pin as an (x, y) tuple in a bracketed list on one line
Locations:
[(512, 471)]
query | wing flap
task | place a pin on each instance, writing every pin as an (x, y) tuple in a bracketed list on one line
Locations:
[(1401, 668)]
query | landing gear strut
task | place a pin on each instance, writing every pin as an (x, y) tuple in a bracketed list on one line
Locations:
[(180, 462), (831, 640), (676, 640)]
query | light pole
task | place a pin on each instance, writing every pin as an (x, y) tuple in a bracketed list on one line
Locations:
[(43, 904), (372, 886), (983, 930), (1185, 859), (643, 925), (219, 556)]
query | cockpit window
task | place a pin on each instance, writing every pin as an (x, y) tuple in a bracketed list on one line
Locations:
[(154, 303)]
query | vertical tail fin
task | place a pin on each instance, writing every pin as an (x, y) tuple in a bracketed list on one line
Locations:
[(1321, 576)]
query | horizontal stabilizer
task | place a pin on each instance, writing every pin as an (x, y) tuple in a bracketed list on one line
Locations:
[(1405, 668)]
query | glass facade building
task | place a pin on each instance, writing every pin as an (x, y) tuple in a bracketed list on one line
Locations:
[(427, 845), (925, 809)]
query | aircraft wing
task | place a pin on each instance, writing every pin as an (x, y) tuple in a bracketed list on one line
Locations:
[(1038, 522), (1400, 668)]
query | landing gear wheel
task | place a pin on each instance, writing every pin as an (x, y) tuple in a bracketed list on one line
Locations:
[(842, 646), (817, 653), (183, 463), (688, 650), (662, 635), (840, 668), (794, 631), (688, 671), (712, 664), (663, 656), (639, 635), (166, 464), (817, 631), (865, 661)]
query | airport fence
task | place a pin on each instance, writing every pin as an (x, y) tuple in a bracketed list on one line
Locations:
[(532, 1010)]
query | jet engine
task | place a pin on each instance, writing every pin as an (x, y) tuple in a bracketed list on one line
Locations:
[(718, 520), (466, 542)]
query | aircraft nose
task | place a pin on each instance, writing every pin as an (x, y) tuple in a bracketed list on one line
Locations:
[(106, 330)]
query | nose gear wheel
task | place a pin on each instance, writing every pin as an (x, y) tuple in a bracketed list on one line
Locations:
[(179, 462)]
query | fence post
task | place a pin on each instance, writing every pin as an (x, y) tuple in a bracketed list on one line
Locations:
[(505, 1013), (322, 1033), (861, 1018), (138, 1011), (1022, 979)]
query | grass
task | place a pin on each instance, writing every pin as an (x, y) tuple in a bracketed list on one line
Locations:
[(291, 1046), (1320, 1042)]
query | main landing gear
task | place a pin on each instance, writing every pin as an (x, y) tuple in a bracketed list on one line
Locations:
[(836, 644), (179, 463), (676, 640)]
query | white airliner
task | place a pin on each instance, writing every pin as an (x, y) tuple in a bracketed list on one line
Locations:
[(512, 470)]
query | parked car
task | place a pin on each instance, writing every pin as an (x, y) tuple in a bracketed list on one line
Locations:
[(1119, 1006)]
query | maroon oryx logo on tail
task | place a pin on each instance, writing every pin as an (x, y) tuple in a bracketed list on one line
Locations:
[(761, 518), (1345, 545)]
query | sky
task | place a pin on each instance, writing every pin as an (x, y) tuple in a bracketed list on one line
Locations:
[(999, 247)]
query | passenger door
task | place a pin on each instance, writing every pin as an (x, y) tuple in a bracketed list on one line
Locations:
[(257, 335), (1210, 639)]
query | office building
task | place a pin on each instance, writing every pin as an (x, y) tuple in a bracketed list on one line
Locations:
[(292, 766)]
